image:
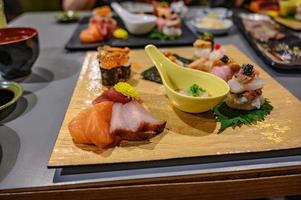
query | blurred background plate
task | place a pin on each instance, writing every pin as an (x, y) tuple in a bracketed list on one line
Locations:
[(10, 93), (133, 41), (215, 15), (219, 12), (226, 23), (137, 7)]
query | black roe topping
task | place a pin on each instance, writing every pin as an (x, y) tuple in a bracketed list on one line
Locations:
[(225, 59), (248, 69)]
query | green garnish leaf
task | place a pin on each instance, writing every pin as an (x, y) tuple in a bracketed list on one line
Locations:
[(229, 117), (195, 90), (164, 4), (155, 34), (207, 36)]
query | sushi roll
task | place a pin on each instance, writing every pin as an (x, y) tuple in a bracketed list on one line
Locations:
[(168, 21), (203, 46), (245, 89), (172, 26), (114, 64)]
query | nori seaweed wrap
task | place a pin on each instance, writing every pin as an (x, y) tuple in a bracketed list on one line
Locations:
[(112, 76)]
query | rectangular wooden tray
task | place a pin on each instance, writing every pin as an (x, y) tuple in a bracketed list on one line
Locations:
[(186, 135)]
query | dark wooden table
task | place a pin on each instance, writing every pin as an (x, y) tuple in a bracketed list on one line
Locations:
[(27, 137)]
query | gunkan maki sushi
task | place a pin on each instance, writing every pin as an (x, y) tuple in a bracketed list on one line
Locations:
[(114, 64)]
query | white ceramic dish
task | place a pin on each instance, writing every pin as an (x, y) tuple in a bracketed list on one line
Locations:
[(134, 23), (137, 7), (227, 24)]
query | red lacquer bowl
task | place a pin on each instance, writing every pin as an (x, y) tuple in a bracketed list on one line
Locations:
[(19, 49)]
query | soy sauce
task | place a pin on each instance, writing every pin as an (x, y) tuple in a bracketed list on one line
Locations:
[(5, 96)]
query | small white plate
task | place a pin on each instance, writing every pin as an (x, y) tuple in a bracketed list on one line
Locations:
[(215, 31)]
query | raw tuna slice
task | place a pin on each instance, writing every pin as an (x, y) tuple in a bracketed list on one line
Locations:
[(111, 95)]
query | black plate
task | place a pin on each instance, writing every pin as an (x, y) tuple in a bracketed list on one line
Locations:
[(290, 40), (133, 41)]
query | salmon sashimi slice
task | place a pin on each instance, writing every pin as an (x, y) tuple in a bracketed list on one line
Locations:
[(92, 125), (77, 127)]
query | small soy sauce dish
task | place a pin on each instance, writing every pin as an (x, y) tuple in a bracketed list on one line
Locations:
[(10, 93), (19, 49)]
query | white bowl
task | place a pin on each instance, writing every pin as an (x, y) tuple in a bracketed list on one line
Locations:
[(135, 24), (141, 25), (227, 23), (218, 11)]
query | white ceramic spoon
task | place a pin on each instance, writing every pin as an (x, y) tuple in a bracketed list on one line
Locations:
[(135, 24)]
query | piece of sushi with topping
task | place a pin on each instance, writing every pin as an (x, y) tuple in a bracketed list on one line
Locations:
[(203, 46), (114, 64), (224, 67), (245, 89), (172, 25), (168, 22), (214, 60), (101, 26)]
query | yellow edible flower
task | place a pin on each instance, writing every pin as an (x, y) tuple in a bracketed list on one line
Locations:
[(120, 33), (127, 90)]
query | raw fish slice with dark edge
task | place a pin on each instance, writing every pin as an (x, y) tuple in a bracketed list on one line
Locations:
[(131, 121)]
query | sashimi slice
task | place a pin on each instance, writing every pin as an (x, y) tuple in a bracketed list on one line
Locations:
[(224, 72), (77, 127), (238, 87), (256, 84), (111, 95), (131, 121), (98, 125), (92, 125)]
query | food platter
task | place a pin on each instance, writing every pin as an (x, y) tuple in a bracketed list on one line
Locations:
[(186, 135), (133, 41), (263, 48)]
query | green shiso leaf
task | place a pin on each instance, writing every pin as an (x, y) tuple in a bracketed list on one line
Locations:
[(229, 117), (155, 34)]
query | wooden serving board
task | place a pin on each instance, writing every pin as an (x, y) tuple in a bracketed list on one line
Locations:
[(186, 135), (290, 23)]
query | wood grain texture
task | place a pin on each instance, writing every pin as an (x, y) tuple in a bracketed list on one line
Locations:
[(290, 23), (226, 189), (186, 135)]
